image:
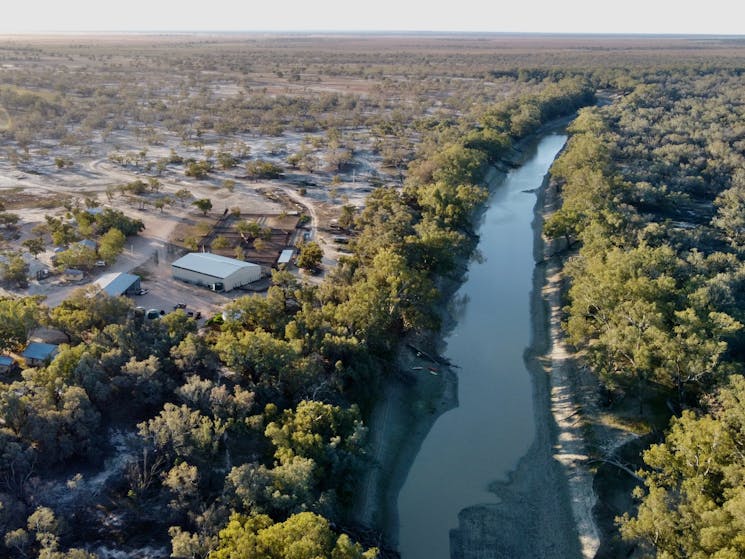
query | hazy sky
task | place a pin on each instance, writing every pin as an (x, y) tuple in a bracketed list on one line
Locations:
[(599, 16)]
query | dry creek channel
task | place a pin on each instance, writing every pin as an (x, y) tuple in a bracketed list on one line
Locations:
[(484, 483)]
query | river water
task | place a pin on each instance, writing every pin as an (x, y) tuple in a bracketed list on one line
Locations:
[(482, 439)]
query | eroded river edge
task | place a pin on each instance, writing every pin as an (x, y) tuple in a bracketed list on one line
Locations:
[(534, 517)]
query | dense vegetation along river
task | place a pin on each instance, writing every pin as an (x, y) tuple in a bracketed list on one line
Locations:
[(482, 439)]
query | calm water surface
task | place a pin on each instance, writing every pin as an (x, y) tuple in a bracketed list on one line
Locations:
[(482, 439)]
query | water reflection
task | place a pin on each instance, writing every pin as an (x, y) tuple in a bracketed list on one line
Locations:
[(481, 441)]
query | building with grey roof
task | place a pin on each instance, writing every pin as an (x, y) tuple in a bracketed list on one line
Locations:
[(117, 283), (219, 273), (285, 256)]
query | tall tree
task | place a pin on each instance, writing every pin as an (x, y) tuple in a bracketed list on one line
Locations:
[(693, 503), (204, 205), (302, 536)]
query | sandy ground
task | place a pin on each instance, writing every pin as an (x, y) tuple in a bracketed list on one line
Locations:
[(570, 448), (38, 188), (546, 506)]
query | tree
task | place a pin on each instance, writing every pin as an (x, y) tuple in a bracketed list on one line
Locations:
[(331, 436), (302, 536), (451, 204), (62, 233), (563, 223), (154, 184), (220, 242), (259, 245), (226, 160), (204, 205), (183, 482), (310, 256), (248, 230), (115, 219), (144, 382), (262, 169), (183, 195), (17, 318), (9, 220), (34, 246), (693, 503), (60, 422), (730, 216), (184, 433), (258, 355), (78, 256), (187, 545), (346, 217), (111, 245), (15, 270), (198, 169), (81, 312)]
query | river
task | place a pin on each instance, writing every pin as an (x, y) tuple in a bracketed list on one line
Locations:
[(482, 440)]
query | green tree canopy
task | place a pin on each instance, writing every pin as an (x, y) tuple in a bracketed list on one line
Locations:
[(302, 536), (18, 316), (310, 256), (111, 245), (204, 205), (693, 503)]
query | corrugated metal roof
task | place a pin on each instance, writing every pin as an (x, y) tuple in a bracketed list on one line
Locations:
[(285, 256), (212, 265), (88, 244), (116, 283), (38, 350), (5, 361)]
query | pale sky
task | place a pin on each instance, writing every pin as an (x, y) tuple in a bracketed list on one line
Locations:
[(563, 16)]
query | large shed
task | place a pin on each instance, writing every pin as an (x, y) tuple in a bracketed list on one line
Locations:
[(216, 272), (115, 284)]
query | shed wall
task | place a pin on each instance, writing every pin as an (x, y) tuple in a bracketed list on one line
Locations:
[(242, 276), (193, 277)]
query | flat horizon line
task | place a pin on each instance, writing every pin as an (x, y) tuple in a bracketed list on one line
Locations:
[(358, 32)]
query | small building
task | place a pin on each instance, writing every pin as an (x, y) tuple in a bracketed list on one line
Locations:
[(285, 256), (87, 243), (37, 353), (117, 283), (219, 273), (7, 364)]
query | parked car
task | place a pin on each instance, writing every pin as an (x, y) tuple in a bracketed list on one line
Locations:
[(142, 292), (179, 306), (153, 313)]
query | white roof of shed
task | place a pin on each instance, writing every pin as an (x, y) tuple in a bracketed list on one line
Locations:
[(285, 256), (212, 265), (116, 283)]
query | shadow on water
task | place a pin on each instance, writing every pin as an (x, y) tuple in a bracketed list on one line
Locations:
[(484, 483)]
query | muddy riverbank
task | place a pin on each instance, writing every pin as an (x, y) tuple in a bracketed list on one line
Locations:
[(540, 520)]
